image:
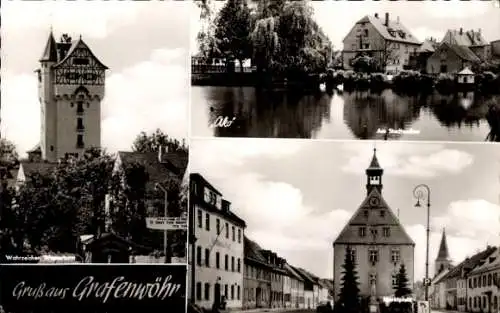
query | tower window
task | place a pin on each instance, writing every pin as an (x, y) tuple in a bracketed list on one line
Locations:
[(362, 231), (79, 141), (365, 212), (395, 256), (51, 148), (79, 107), (373, 256), (386, 232), (382, 213), (79, 124)]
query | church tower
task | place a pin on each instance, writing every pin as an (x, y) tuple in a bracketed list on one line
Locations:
[(374, 175), (443, 261), (70, 88)]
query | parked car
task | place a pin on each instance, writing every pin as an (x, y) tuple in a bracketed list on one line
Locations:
[(324, 307)]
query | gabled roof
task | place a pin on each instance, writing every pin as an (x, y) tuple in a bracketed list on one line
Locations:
[(252, 251), (466, 71), (427, 46), (468, 263), (50, 51), (437, 278), (29, 168), (175, 165), (462, 52), (464, 38), (374, 164), (350, 233), (80, 44), (305, 275), (395, 31), (293, 273), (492, 262)]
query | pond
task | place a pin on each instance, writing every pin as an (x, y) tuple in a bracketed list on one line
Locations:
[(249, 112)]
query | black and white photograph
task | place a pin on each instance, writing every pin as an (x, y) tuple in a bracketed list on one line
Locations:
[(94, 132), (387, 70), (355, 226), (92, 288)]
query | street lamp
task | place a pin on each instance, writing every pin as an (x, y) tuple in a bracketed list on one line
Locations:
[(420, 192), (165, 204)]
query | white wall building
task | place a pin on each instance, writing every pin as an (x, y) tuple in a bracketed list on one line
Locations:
[(483, 294), (218, 258)]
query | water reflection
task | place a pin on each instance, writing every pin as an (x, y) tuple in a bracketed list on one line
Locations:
[(347, 115)]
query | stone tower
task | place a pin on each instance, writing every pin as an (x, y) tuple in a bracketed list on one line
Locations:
[(70, 88), (443, 261)]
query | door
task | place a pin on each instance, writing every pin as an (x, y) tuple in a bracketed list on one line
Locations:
[(258, 296), (217, 294)]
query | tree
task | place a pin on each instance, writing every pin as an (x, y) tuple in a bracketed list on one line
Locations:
[(232, 32), (401, 288), (349, 290), (151, 142), (365, 64), (386, 51)]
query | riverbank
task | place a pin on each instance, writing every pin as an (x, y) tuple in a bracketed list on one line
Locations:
[(405, 81)]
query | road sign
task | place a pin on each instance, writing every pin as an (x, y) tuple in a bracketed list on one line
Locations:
[(166, 223), (423, 307)]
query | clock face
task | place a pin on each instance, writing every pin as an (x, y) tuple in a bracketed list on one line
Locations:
[(374, 201)]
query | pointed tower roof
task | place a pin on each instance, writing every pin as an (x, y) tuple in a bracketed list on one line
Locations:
[(374, 163), (443, 248), (80, 44), (50, 52)]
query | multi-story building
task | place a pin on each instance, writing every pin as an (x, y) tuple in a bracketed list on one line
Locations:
[(388, 41), (277, 277), (471, 39), (296, 298), (311, 289), (456, 282), (484, 285), (70, 87), (257, 277), (376, 241), (216, 273)]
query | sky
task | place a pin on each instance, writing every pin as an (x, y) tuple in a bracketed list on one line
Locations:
[(423, 18), (145, 45), (297, 195)]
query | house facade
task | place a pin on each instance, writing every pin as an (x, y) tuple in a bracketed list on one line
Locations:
[(257, 278), (376, 241), (218, 258), (484, 285), (388, 41), (450, 58), (472, 39), (459, 288), (296, 298)]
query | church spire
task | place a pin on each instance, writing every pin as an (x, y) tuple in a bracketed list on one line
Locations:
[(443, 247), (374, 174), (50, 52)]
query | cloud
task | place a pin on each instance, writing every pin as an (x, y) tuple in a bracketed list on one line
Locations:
[(455, 9), (470, 225), (224, 152), (148, 95), (99, 17), (409, 160)]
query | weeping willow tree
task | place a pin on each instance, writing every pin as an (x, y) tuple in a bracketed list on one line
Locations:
[(286, 38), (207, 43)]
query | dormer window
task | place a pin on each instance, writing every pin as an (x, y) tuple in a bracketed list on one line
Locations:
[(365, 213), (386, 232)]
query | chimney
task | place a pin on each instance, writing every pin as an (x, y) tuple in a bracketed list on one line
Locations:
[(461, 31), (386, 19), (376, 15)]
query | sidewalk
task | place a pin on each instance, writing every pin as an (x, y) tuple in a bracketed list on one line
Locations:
[(267, 310)]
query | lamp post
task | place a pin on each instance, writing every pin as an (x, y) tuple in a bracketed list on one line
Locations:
[(422, 192), (165, 205)]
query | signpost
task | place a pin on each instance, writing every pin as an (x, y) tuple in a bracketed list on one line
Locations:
[(166, 223)]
